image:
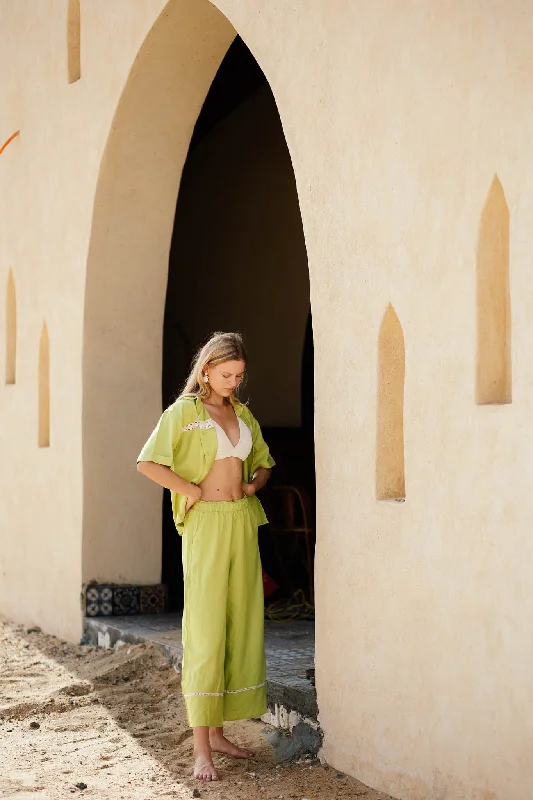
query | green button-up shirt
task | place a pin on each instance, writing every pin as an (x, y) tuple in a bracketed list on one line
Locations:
[(185, 440)]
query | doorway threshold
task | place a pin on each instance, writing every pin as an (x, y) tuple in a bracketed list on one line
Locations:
[(289, 648)]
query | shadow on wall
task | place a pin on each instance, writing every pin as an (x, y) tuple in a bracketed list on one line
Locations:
[(73, 41), (43, 434), (493, 377), (390, 471)]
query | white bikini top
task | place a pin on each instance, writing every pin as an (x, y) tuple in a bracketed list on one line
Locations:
[(227, 450)]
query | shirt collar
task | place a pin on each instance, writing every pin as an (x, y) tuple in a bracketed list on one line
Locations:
[(204, 414)]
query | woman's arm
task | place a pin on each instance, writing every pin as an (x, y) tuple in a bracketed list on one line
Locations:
[(258, 481), (165, 477)]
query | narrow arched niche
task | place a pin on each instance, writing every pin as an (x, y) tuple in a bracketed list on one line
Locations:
[(73, 41), (493, 373), (44, 388), (11, 330), (390, 471)]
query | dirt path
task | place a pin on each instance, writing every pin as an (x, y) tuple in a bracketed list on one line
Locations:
[(115, 721)]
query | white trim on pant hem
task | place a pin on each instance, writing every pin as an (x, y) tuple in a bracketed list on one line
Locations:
[(227, 691), (246, 689)]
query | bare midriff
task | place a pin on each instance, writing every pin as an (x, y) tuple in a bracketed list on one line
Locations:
[(224, 481)]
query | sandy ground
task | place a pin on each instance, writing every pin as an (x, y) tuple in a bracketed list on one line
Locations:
[(114, 721)]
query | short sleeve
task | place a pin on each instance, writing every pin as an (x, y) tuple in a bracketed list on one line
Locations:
[(262, 457), (163, 439)]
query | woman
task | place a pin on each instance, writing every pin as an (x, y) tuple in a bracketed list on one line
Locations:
[(208, 450)]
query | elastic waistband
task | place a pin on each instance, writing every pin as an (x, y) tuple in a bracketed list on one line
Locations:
[(220, 506)]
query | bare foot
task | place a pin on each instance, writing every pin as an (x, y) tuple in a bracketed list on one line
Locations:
[(204, 769), (219, 744)]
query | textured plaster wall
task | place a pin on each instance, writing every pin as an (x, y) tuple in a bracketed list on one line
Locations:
[(423, 609), (48, 177), (397, 117)]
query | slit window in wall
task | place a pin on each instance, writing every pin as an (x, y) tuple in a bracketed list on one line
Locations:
[(73, 41), (44, 388), (11, 330), (493, 367), (390, 470)]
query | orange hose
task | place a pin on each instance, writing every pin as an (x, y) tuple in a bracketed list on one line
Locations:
[(8, 141)]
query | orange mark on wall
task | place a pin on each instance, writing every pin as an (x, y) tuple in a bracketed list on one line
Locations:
[(8, 141)]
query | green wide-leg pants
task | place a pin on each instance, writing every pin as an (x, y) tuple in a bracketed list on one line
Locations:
[(224, 673)]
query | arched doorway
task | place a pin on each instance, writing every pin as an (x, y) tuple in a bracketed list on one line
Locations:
[(238, 262), (144, 166)]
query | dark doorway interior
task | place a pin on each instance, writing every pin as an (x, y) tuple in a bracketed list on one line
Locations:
[(238, 262)]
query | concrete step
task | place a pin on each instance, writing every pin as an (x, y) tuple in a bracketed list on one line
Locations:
[(289, 648)]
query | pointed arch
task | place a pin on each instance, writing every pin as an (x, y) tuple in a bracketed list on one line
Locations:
[(11, 330), (73, 41), (493, 368), (44, 388), (390, 470), (139, 179)]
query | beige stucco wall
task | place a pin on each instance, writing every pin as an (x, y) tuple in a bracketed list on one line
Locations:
[(46, 185), (47, 189), (397, 117)]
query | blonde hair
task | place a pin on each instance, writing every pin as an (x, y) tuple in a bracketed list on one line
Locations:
[(220, 347)]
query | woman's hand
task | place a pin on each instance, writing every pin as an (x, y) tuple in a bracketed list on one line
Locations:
[(193, 495), (249, 489)]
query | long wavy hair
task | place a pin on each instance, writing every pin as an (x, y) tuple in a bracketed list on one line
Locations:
[(219, 347)]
